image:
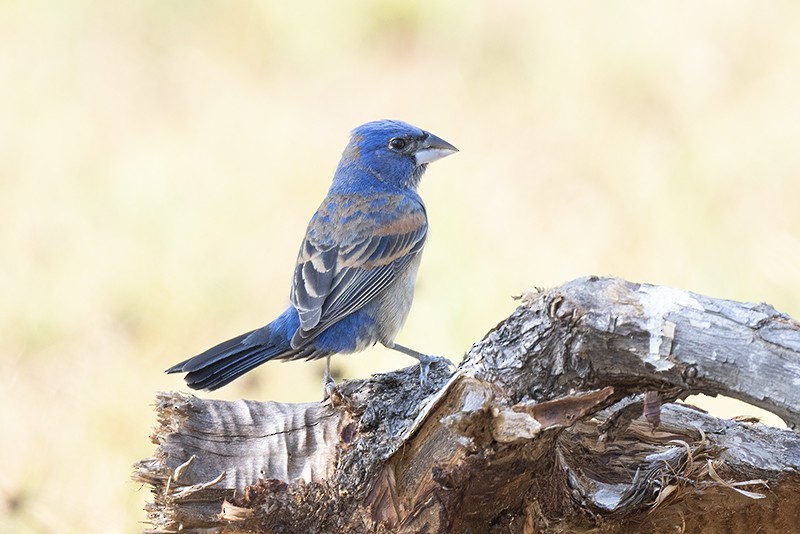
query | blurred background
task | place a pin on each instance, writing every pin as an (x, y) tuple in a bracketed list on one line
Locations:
[(159, 162)]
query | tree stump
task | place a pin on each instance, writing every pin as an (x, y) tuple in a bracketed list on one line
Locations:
[(562, 419)]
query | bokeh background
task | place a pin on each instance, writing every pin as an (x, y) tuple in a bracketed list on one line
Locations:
[(159, 162)]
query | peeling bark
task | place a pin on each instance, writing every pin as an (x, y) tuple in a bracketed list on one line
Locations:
[(560, 420)]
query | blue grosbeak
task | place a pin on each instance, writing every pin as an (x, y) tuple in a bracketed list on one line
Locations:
[(354, 279)]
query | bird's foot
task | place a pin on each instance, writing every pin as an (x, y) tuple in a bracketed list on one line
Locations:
[(425, 361), (328, 383)]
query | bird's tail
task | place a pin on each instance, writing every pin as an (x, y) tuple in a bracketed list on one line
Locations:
[(230, 359)]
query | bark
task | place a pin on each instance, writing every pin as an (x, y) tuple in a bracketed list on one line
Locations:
[(560, 420)]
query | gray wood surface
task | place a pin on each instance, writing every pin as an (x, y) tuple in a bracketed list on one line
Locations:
[(540, 429)]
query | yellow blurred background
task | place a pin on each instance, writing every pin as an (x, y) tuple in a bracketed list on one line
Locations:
[(159, 162)]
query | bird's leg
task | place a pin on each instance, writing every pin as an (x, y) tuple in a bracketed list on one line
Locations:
[(425, 360), (327, 380)]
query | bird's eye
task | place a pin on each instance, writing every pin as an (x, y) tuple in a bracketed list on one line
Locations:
[(397, 143)]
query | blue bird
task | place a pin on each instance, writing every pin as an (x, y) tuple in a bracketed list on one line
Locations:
[(354, 279)]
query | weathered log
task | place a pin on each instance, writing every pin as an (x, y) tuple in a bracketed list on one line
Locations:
[(540, 429)]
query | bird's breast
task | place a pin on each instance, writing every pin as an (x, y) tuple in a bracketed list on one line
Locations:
[(394, 303)]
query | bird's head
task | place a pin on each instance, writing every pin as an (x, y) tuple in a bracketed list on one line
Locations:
[(394, 152)]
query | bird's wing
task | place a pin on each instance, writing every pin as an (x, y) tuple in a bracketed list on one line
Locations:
[(350, 256)]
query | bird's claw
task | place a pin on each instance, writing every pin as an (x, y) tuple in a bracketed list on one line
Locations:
[(425, 362), (328, 385)]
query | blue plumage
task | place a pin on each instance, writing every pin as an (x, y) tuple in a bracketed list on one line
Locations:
[(354, 279)]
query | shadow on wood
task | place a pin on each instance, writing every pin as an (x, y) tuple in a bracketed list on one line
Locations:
[(540, 429)]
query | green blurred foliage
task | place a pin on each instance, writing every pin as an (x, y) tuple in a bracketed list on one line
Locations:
[(159, 162)]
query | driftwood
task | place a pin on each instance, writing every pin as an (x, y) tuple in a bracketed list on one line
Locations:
[(540, 429)]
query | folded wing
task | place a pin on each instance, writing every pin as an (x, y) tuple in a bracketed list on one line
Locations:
[(343, 264)]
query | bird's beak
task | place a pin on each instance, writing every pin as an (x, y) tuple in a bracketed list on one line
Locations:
[(433, 148)]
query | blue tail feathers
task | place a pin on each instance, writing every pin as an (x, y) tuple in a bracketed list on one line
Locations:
[(230, 359)]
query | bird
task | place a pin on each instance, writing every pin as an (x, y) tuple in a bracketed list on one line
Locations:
[(353, 282)]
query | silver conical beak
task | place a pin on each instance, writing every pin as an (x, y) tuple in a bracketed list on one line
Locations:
[(433, 148)]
